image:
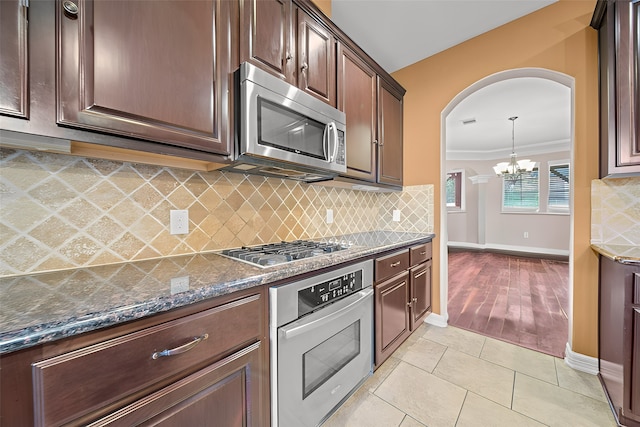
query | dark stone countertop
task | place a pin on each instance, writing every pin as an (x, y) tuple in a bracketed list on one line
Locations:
[(45, 307), (619, 253)]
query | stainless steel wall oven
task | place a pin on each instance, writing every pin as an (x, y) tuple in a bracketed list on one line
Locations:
[(321, 343)]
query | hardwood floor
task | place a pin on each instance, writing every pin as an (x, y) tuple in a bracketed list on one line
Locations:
[(515, 299)]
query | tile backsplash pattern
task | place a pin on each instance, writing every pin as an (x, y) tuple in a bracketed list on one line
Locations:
[(615, 211), (59, 211)]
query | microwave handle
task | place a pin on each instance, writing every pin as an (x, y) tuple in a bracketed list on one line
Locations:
[(330, 127)]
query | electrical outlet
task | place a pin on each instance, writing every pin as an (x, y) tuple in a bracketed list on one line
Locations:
[(396, 215), (526, 234), (179, 221), (329, 216), (179, 284)]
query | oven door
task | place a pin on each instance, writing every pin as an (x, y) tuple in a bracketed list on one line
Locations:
[(322, 358)]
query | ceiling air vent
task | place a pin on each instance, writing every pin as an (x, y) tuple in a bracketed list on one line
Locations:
[(468, 121)]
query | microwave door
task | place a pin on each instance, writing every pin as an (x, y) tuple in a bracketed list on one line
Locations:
[(276, 127)]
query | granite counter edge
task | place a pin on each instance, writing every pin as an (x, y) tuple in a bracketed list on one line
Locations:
[(48, 332)]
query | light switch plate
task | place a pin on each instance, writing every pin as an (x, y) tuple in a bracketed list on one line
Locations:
[(179, 221), (396, 215), (179, 284), (329, 216)]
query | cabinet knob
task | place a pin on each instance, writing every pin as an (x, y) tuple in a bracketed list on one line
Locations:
[(288, 57), (304, 66), (375, 141), (70, 8)]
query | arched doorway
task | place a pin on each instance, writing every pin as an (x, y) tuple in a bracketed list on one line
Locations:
[(563, 79)]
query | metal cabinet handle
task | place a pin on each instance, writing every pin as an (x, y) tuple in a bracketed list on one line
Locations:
[(381, 143), (304, 66), (409, 303), (70, 8), (422, 273), (375, 141), (182, 349), (415, 300), (288, 57), (395, 264), (423, 253)]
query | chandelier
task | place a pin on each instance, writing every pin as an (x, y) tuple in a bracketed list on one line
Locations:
[(512, 170)]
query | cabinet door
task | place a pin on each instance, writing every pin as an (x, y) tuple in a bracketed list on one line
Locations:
[(391, 315), (316, 72), (357, 99), (635, 364), (144, 69), (420, 293), (628, 85), (14, 90), (226, 394), (266, 36), (390, 134)]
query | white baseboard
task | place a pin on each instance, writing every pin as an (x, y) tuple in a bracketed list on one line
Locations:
[(436, 320), (508, 248), (580, 362)]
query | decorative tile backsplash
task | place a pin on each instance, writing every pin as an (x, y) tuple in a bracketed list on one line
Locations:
[(59, 211), (615, 211)]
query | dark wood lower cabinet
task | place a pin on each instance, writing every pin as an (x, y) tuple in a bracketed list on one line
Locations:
[(216, 374), (402, 297), (219, 395), (392, 315), (421, 293), (619, 339)]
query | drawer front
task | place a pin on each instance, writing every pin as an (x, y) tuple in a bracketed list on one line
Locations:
[(80, 382), (419, 254), (391, 264)]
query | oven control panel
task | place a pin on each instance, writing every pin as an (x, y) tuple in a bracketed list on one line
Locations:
[(315, 296)]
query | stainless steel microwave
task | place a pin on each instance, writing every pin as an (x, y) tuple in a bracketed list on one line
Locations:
[(284, 132)]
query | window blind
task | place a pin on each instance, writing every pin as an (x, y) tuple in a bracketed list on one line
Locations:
[(559, 186), (522, 193)]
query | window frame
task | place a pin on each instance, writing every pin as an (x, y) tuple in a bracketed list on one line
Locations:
[(522, 209), (460, 205), (562, 208)]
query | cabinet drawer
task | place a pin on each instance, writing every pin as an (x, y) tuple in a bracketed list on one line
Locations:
[(391, 264), (418, 254), (77, 383)]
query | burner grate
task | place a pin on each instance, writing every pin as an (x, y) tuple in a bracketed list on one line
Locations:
[(279, 253)]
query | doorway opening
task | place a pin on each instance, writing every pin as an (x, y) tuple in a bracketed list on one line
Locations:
[(485, 224)]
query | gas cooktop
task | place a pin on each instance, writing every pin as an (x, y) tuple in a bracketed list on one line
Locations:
[(279, 253)]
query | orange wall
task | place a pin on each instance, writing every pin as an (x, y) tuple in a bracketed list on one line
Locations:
[(558, 38), (324, 6)]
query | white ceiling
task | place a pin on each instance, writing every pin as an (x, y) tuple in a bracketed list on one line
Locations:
[(543, 108), (398, 33)]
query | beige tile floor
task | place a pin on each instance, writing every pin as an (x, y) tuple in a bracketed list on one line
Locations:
[(452, 377)]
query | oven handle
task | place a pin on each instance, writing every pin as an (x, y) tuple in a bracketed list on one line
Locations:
[(290, 333)]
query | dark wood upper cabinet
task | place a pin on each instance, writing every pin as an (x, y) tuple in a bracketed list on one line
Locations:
[(390, 134), (266, 36), (282, 39), (149, 70), (357, 97), (374, 121), (618, 25), (14, 70)]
